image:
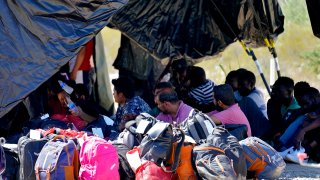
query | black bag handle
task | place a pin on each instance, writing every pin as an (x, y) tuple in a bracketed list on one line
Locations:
[(177, 152)]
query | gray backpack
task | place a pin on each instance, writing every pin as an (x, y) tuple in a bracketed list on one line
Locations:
[(133, 134), (262, 159), (198, 125), (212, 163), (57, 160), (222, 139)]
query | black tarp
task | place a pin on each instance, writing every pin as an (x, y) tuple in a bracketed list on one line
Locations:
[(37, 37), (197, 28)]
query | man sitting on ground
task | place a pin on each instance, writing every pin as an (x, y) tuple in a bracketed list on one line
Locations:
[(304, 130), (299, 90), (172, 109), (160, 87), (230, 111), (232, 80), (252, 103), (283, 108), (246, 88), (200, 94), (130, 106)]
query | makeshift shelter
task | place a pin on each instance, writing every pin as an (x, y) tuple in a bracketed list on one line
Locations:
[(38, 37)]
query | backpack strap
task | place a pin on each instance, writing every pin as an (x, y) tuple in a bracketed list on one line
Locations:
[(157, 130), (48, 172), (198, 126), (60, 137), (191, 113), (36, 169), (176, 155), (178, 151)]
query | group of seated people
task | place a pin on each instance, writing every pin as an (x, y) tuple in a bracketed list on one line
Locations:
[(289, 121)]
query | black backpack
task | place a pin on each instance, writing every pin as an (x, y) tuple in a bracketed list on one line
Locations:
[(2, 160), (44, 124), (12, 164), (212, 163), (135, 130), (100, 123), (222, 139), (28, 151), (237, 130), (125, 170), (157, 145)]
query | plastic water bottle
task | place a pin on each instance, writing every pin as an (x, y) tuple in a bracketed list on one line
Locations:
[(72, 106), (65, 87)]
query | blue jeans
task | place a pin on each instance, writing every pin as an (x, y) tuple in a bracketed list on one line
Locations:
[(287, 137)]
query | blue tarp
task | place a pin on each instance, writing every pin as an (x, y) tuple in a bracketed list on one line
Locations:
[(37, 37)]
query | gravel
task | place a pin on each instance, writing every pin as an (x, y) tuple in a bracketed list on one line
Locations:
[(296, 171)]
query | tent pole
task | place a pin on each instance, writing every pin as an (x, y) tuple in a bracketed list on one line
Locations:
[(268, 41), (249, 51), (270, 44), (254, 58)]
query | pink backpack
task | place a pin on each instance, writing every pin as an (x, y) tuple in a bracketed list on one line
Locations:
[(98, 159)]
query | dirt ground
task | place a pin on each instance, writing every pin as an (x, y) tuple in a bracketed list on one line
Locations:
[(296, 171)]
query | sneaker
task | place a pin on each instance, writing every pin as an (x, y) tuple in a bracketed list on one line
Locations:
[(293, 156), (284, 153)]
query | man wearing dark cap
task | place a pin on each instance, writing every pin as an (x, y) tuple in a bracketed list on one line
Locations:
[(130, 105)]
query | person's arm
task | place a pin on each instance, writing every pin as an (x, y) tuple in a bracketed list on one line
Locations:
[(78, 63), (86, 117), (313, 125), (215, 120)]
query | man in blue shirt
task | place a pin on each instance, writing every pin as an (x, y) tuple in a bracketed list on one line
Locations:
[(129, 105)]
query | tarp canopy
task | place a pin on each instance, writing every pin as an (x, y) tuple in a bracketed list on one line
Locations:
[(197, 28), (37, 37)]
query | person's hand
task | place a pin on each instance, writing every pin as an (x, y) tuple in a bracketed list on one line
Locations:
[(75, 111), (128, 117), (73, 75), (300, 136), (62, 96)]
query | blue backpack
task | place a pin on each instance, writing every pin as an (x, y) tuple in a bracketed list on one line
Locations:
[(262, 159), (58, 159)]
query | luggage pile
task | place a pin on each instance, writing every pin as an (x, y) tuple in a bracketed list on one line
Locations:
[(146, 149)]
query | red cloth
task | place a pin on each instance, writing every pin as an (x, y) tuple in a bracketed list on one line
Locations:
[(85, 66), (45, 133), (64, 132), (71, 133), (77, 121), (55, 105), (149, 170)]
